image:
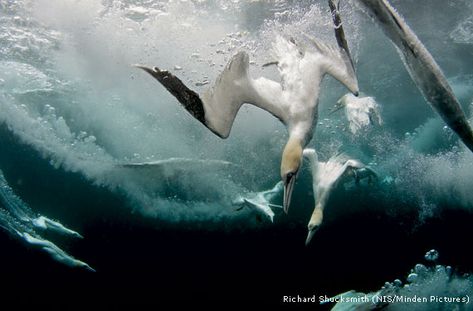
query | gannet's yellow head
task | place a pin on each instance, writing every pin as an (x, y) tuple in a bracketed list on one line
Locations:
[(290, 164), (315, 222)]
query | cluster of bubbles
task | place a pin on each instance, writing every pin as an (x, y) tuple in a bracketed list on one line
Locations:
[(463, 33), (441, 286)]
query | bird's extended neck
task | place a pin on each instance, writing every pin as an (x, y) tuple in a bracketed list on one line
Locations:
[(292, 155), (317, 216), (311, 155)]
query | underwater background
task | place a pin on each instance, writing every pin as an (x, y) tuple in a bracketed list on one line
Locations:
[(73, 109)]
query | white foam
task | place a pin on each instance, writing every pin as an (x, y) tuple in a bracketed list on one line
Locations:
[(463, 33), (361, 112)]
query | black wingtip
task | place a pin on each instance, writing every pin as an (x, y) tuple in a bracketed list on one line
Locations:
[(147, 69), (187, 97)]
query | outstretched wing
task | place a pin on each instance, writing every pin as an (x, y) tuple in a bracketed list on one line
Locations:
[(422, 68), (218, 105), (181, 163), (174, 167), (336, 62), (339, 32), (270, 194), (187, 97)]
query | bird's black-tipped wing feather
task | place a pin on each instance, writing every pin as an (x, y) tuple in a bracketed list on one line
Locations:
[(187, 97)]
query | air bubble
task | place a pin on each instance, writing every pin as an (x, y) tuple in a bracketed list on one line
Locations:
[(412, 277), (431, 255), (449, 270), (421, 269)]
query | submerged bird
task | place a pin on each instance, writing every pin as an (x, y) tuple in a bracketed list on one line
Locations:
[(260, 201), (19, 220), (361, 111), (422, 68), (55, 252), (325, 176), (51, 225), (294, 101)]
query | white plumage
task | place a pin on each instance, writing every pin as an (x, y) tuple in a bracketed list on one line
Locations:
[(261, 201), (325, 176), (361, 112), (293, 101)]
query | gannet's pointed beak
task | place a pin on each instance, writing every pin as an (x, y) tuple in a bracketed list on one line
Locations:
[(310, 235), (81, 264), (77, 235), (89, 268), (288, 188)]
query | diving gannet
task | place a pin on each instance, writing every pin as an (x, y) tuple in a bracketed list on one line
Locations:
[(54, 251), (422, 68), (325, 176), (48, 224), (19, 220), (294, 101), (260, 201), (23, 213), (360, 111)]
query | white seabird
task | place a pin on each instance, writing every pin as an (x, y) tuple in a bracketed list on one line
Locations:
[(294, 101), (19, 220), (23, 213), (325, 176), (261, 201), (422, 68), (54, 251), (48, 224), (360, 111)]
